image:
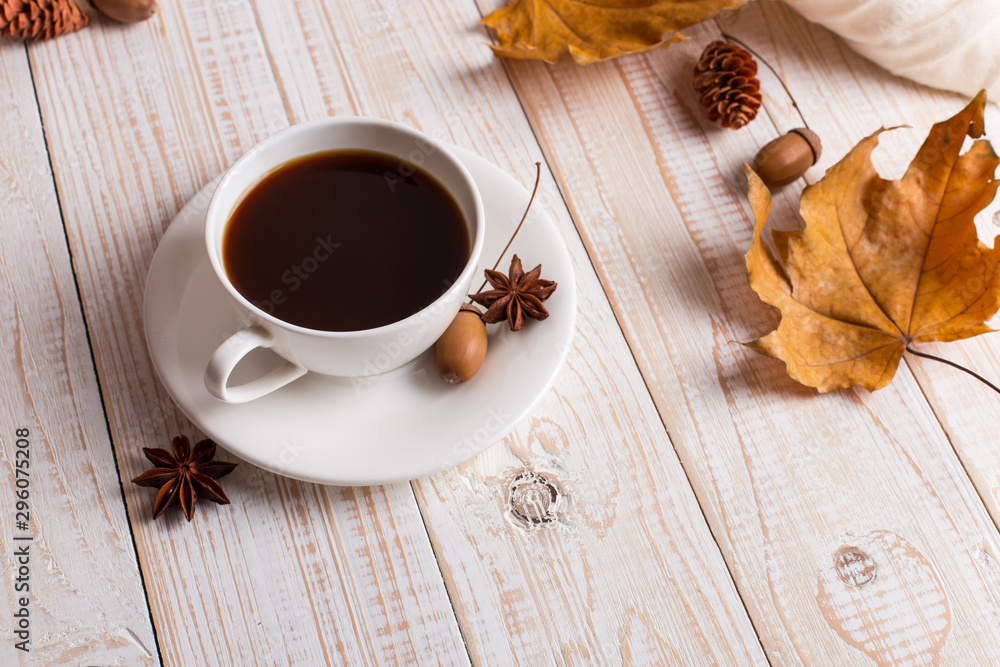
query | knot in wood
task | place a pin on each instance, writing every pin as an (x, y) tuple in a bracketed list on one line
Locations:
[(853, 566), (532, 498)]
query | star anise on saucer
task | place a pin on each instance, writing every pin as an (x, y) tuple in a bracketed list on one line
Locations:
[(515, 295), (187, 474)]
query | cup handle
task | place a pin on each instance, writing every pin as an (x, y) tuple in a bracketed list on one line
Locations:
[(230, 353)]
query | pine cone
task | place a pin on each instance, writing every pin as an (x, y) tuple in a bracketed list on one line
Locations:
[(726, 77), (40, 19)]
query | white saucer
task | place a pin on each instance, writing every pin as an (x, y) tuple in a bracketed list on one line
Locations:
[(397, 426)]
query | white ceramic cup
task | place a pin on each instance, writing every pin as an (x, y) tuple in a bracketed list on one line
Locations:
[(347, 353)]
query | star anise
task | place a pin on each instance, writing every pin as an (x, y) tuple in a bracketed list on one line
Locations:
[(186, 474), (515, 295)]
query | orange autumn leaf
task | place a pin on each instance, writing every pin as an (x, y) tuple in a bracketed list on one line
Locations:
[(594, 30), (880, 264)]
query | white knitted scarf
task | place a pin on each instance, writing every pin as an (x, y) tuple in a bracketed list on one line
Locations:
[(950, 44)]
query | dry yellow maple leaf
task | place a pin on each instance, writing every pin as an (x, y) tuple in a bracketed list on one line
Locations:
[(880, 264), (594, 30)]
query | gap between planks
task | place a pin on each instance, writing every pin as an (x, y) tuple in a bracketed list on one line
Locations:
[(93, 362)]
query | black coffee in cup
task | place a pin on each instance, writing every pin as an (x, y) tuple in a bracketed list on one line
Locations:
[(345, 240)]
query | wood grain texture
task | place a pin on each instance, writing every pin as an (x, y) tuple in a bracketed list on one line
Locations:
[(138, 118), (577, 541), (87, 603), (786, 477), (859, 97), (851, 529)]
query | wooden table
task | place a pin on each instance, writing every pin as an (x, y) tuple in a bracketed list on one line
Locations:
[(709, 510)]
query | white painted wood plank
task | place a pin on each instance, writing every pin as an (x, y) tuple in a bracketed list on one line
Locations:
[(786, 477), (138, 119), (626, 570), (849, 93), (87, 603), (859, 103)]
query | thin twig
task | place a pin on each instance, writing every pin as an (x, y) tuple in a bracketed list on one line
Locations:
[(538, 178), (954, 365), (775, 72)]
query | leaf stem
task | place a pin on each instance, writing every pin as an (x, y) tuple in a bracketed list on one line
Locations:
[(538, 178), (773, 71), (954, 365)]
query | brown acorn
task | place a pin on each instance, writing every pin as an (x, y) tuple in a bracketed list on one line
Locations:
[(788, 157), (127, 11), (460, 350)]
